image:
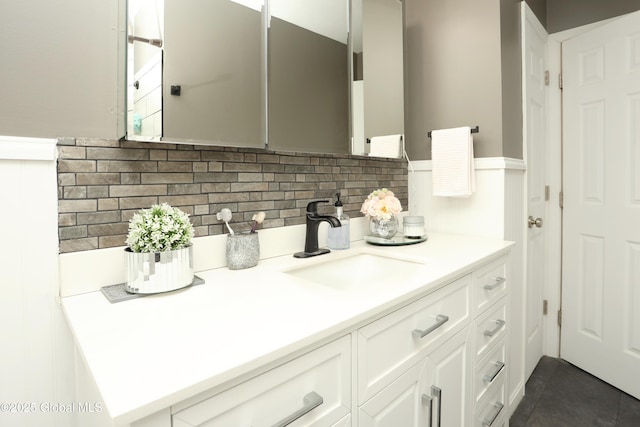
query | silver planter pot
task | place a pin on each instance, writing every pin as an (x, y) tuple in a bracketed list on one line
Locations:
[(155, 272), (243, 250)]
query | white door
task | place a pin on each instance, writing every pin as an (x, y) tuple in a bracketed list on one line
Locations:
[(601, 237), (535, 135)]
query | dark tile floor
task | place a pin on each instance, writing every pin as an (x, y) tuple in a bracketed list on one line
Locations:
[(560, 394)]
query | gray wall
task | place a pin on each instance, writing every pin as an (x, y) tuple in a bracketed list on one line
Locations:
[(539, 8), (463, 68), (560, 15), (60, 63), (566, 14)]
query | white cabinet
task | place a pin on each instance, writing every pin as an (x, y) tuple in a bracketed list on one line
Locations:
[(311, 390), (490, 328), (436, 361), (414, 365)]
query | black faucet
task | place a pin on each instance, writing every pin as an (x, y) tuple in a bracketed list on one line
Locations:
[(311, 238)]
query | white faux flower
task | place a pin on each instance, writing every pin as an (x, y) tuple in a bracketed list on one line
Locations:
[(158, 229)]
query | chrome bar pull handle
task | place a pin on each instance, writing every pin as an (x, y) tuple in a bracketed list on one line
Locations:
[(441, 319), (437, 393), (488, 422), (498, 281), (492, 375), (428, 400), (499, 325), (310, 401)]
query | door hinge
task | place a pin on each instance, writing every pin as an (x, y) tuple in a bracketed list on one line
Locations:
[(559, 317), (561, 199), (560, 82), (547, 193), (546, 77), (545, 307)]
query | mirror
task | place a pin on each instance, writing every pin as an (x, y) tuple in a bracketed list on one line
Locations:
[(377, 77), (195, 71), (308, 76)]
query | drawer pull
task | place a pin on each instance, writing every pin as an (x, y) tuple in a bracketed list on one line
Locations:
[(441, 319), (488, 422), (498, 281), (437, 392), (491, 376), (499, 325), (428, 400), (311, 401)]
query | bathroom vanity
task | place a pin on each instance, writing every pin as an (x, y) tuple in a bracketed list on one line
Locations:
[(416, 334)]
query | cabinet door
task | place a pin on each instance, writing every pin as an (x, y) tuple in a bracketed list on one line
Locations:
[(401, 403), (450, 379)]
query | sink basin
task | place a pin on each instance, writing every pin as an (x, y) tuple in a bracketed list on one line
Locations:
[(357, 270)]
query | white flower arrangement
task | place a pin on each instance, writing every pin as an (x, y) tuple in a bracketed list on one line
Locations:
[(381, 204), (158, 229)]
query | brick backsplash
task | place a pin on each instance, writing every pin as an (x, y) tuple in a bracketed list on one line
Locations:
[(102, 183)]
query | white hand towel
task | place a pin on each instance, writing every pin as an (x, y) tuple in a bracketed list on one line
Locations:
[(386, 146), (452, 159)]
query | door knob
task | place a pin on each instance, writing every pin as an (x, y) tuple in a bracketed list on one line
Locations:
[(535, 221)]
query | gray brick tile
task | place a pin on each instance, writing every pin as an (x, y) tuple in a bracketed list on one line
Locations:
[(77, 245), (113, 229), (112, 241), (65, 165), (216, 187), (166, 178), (174, 189), (77, 192), (97, 191), (197, 199), (102, 153), (137, 190), (65, 152), (68, 206), (175, 166), (108, 204), (202, 180), (97, 178), (66, 219), (104, 217), (127, 166)]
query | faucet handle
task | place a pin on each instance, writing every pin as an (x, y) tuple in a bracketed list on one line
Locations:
[(312, 207)]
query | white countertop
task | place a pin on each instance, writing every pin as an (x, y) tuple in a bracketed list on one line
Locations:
[(149, 353)]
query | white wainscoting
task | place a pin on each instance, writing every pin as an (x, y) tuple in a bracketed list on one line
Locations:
[(36, 362), (496, 209)]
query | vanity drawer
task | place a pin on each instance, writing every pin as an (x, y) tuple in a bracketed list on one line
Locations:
[(490, 327), (492, 411), (388, 346), (489, 284), (316, 386), (490, 370)]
